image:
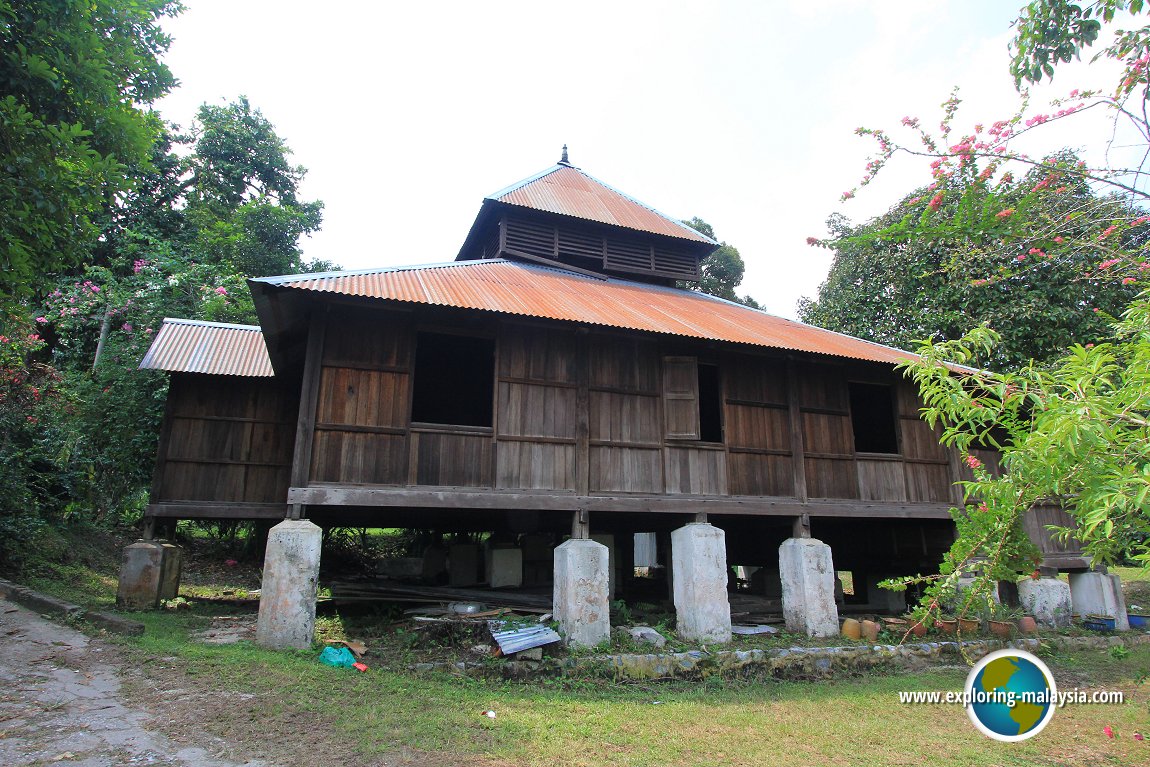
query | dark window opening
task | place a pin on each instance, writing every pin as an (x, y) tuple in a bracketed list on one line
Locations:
[(873, 418), (710, 404), (454, 380)]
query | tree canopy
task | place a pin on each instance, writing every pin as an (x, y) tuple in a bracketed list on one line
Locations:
[(722, 271), (942, 261), (76, 78)]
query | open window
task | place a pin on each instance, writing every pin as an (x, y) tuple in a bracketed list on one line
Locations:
[(692, 399), (454, 381), (873, 418)]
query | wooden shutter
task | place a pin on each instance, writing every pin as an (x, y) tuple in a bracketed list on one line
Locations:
[(681, 397)]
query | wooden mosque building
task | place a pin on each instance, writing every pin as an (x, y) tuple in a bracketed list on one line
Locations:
[(555, 387)]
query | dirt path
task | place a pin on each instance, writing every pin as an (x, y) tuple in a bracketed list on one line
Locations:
[(61, 703)]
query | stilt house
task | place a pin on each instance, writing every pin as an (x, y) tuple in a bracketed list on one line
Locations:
[(555, 380)]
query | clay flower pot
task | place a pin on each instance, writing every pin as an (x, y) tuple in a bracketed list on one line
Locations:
[(852, 629), (1027, 624), (918, 628), (1001, 629), (947, 626), (969, 625)]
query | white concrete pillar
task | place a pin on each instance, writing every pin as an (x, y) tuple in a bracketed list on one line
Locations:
[(1099, 594), (580, 595), (808, 576), (608, 540), (699, 560), (149, 572), (504, 567), (287, 598), (1047, 599), (884, 600)]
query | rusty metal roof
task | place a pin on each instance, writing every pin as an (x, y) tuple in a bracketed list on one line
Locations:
[(190, 346), (569, 191), (511, 287)]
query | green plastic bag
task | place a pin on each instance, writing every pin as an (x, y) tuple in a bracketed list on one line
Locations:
[(340, 657)]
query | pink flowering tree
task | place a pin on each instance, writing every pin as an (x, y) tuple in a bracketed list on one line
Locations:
[(1074, 429)]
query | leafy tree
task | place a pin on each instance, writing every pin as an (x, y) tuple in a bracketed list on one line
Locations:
[(722, 271), (75, 78), (923, 271), (1075, 429)]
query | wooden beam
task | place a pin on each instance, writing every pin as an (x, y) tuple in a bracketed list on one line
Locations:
[(488, 500), (582, 412), (798, 458), (309, 398), (209, 510)]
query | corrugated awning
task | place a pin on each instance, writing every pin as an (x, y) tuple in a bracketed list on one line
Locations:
[(191, 346), (511, 287)]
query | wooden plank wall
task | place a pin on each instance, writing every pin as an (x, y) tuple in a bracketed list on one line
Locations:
[(758, 430), (361, 421), (544, 438), (828, 442), (626, 421), (228, 439), (536, 410)]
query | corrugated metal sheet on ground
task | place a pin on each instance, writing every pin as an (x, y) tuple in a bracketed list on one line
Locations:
[(571, 192), (189, 346), (511, 287), (524, 638)]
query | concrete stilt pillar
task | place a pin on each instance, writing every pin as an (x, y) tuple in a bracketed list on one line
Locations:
[(1099, 594), (580, 595), (149, 572), (291, 573), (884, 600), (699, 559), (808, 576), (608, 540), (1047, 599)]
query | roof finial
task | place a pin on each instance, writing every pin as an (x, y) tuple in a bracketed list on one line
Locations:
[(564, 160)]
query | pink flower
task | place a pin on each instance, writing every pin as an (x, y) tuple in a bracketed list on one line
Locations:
[(1107, 231), (935, 201), (41, 320), (1020, 257), (1059, 239), (812, 241), (1004, 213), (127, 328), (1107, 263), (230, 562), (973, 462), (94, 288), (222, 291), (1128, 280)]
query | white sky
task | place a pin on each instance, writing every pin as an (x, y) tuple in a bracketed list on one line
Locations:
[(742, 113)]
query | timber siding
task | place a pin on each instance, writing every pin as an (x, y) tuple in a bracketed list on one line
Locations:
[(591, 412)]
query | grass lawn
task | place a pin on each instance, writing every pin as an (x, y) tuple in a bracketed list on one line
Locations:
[(709, 722), (242, 692)]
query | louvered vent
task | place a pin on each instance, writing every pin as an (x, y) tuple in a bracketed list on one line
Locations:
[(676, 263), (531, 237), (628, 256)]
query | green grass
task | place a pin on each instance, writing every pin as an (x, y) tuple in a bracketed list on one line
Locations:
[(594, 721), (708, 722)]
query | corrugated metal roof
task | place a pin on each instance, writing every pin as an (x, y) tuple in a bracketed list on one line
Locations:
[(570, 191), (511, 287), (190, 346)]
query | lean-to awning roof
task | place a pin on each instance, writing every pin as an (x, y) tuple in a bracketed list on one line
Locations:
[(190, 346)]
